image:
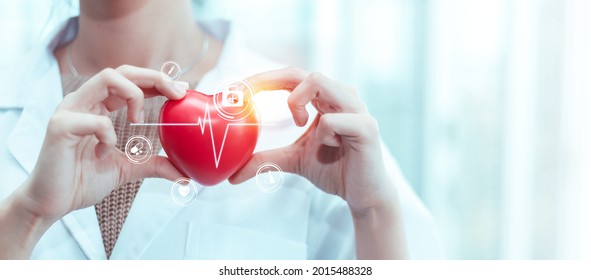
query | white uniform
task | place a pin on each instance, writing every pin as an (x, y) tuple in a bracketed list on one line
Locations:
[(225, 221)]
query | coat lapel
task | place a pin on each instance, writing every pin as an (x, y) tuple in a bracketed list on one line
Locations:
[(42, 97), (151, 211), (84, 227)]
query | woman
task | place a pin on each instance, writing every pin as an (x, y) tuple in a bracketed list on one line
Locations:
[(74, 162)]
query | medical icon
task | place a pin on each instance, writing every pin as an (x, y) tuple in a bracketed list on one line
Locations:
[(233, 97), (183, 191), (271, 180), (170, 70), (269, 177), (138, 149)]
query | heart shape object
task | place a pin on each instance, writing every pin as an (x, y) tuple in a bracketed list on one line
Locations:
[(184, 190), (201, 142)]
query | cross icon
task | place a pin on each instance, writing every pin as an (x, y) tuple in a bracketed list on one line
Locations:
[(232, 98)]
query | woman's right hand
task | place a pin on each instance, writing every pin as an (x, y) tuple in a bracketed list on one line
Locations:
[(78, 164)]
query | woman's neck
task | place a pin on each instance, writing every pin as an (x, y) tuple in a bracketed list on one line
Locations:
[(143, 33)]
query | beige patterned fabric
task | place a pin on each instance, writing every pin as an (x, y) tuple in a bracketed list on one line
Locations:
[(113, 210)]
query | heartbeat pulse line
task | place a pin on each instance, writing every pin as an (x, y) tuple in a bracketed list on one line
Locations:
[(201, 122)]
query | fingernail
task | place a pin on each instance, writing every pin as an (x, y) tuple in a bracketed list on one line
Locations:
[(180, 87), (183, 182), (300, 122)]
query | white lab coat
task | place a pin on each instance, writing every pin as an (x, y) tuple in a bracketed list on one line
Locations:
[(225, 221)]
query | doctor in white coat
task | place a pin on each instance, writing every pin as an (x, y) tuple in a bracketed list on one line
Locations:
[(57, 155)]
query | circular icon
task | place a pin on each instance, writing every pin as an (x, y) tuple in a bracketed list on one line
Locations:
[(138, 149), (269, 177), (233, 99), (170, 70), (183, 191)]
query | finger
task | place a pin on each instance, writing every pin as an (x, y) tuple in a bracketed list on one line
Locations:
[(305, 88), (282, 79), (149, 79), (156, 167), (329, 92), (126, 86), (335, 128), (283, 157), (101, 87), (114, 103), (151, 83), (323, 107), (71, 124)]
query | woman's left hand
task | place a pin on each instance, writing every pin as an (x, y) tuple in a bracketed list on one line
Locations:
[(340, 153)]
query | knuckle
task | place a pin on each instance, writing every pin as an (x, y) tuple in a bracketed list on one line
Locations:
[(291, 101), (124, 68), (135, 99), (371, 124), (360, 106), (316, 78), (104, 123), (108, 71), (56, 119), (55, 125), (325, 122), (69, 97), (106, 74), (294, 71), (66, 102)]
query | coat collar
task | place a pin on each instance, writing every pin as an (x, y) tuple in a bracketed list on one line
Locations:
[(39, 95), (38, 92)]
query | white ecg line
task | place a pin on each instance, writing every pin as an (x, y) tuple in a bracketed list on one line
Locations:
[(201, 123)]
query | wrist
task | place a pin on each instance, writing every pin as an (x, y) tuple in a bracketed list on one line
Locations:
[(35, 204), (379, 229), (22, 225), (384, 208), (382, 201), (29, 210)]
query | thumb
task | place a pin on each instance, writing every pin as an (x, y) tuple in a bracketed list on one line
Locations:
[(282, 157)]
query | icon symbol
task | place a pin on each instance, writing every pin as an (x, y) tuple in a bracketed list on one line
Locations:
[(233, 100), (183, 191), (170, 70), (138, 149), (269, 177), (233, 97)]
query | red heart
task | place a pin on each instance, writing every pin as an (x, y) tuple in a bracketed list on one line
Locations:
[(186, 136)]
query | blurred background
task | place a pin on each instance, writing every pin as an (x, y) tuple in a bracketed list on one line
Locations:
[(485, 104)]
